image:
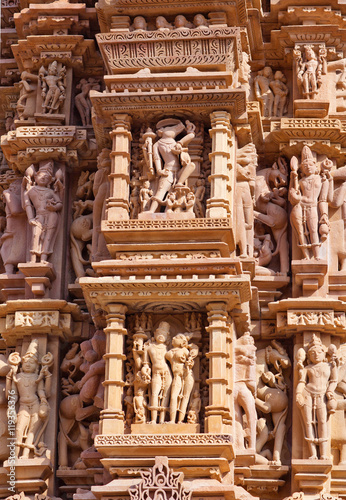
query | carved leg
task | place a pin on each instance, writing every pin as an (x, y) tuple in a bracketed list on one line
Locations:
[(35, 424), (165, 395), (176, 388), (279, 420)]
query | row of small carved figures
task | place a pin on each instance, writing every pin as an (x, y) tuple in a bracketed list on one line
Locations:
[(161, 23)]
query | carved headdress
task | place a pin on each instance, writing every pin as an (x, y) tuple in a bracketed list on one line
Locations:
[(32, 351), (315, 342), (53, 67), (46, 166)]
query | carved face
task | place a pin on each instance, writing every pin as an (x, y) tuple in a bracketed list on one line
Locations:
[(160, 335), (267, 72), (308, 167), (43, 178), (179, 341), (316, 354), (309, 53), (29, 364)]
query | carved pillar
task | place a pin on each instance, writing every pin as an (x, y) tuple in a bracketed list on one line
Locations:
[(112, 417), (218, 205), (218, 359), (118, 203)]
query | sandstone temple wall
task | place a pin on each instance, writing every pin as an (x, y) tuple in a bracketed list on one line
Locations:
[(173, 250)]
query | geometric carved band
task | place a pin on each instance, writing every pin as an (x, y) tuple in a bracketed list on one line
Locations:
[(164, 439), (133, 224)]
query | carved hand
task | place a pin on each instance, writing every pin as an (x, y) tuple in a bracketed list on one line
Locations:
[(300, 400)]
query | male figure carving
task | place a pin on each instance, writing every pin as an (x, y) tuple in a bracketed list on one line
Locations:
[(42, 205), (161, 378), (32, 389), (310, 197), (317, 383)]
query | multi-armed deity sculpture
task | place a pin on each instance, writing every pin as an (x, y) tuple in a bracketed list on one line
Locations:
[(31, 387)]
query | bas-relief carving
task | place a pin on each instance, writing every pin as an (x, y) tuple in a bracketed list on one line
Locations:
[(101, 193), (309, 196), (29, 382), (271, 219), (83, 370), (171, 165), (338, 419), (160, 482), (43, 205), (26, 104), (161, 173), (82, 100), (272, 365), (180, 22), (244, 392), (81, 230), (168, 373), (5, 414), (310, 66), (53, 87), (261, 380), (244, 193), (13, 239), (162, 375), (315, 394), (272, 92)]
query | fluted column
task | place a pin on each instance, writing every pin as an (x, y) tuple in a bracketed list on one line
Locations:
[(112, 417), (218, 356), (218, 205), (118, 202)]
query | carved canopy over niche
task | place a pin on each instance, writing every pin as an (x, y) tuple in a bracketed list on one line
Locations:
[(217, 48)]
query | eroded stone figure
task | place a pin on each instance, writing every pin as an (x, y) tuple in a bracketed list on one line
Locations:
[(180, 22), (271, 210), (172, 161), (338, 419), (13, 240), (310, 196), (101, 193), (199, 198), (315, 395), (280, 91), (31, 386), (272, 397), (309, 71), (181, 358), (263, 91), (194, 408), (43, 205), (162, 24), (200, 21), (82, 100), (139, 23), (245, 186), (245, 391), (53, 87), (81, 228), (26, 103), (145, 195), (85, 368)]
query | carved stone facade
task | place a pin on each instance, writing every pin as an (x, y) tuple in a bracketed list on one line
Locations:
[(172, 250)]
